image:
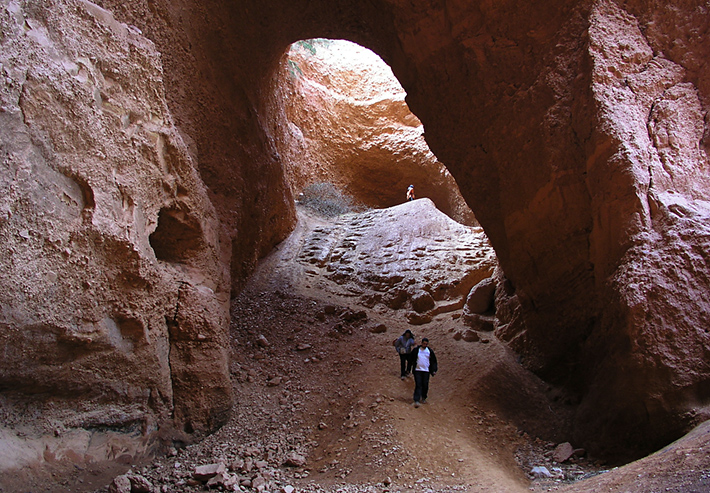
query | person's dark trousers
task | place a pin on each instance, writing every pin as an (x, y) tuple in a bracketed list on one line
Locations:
[(404, 365), (421, 385)]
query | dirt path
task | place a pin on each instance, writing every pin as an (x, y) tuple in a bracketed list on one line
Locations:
[(370, 433)]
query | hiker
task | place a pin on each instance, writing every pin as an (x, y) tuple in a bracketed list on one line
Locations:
[(424, 361), (404, 345), (410, 193)]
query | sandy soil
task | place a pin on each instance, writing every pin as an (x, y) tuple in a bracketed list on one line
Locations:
[(341, 401)]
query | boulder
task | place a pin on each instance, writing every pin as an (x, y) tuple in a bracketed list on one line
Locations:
[(484, 323), (422, 302), (415, 318), (140, 484), (481, 297), (120, 484)]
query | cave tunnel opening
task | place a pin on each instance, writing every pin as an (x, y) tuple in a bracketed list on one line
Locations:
[(348, 125), (359, 282)]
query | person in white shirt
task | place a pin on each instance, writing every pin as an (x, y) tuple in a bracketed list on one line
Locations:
[(425, 365)]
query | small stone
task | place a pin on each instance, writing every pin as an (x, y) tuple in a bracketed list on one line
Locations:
[(230, 482), (378, 329), (471, 336), (294, 459), (262, 341), (562, 452), (540, 472), (205, 473), (303, 347), (237, 464)]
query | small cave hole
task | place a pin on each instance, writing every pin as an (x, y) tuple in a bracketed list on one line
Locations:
[(178, 236)]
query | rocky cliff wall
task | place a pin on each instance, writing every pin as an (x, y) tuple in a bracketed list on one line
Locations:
[(577, 133), (113, 292)]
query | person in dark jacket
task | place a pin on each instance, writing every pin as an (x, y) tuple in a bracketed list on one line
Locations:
[(424, 363), (404, 346)]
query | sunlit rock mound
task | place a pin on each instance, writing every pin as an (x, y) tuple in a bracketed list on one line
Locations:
[(410, 257)]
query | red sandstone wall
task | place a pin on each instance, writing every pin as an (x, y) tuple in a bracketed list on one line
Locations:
[(114, 295), (577, 133)]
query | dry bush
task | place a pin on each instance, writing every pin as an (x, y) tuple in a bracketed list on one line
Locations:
[(326, 199)]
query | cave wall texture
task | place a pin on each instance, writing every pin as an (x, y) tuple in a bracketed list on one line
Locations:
[(577, 132)]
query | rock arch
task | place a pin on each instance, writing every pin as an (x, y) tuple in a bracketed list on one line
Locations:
[(522, 103), (577, 133)]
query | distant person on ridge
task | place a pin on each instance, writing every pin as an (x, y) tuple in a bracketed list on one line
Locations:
[(404, 345), (424, 361), (410, 193)]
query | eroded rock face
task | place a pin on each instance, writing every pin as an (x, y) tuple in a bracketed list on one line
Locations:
[(348, 124), (577, 133), (522, 102), (113, 294)]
